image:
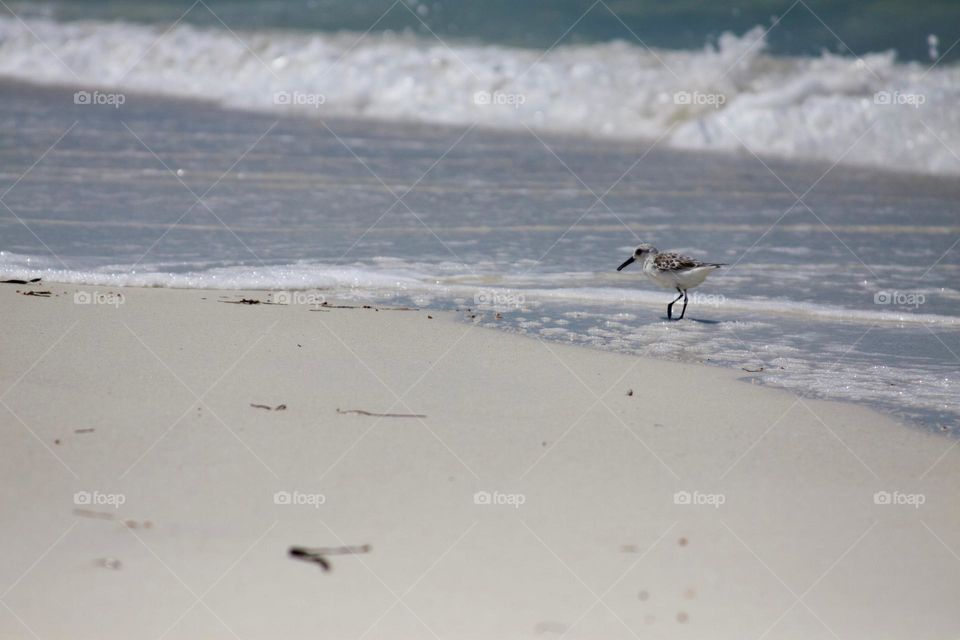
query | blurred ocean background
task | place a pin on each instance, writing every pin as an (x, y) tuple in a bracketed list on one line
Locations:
[(502, 158), (814, 26), (796, 80)]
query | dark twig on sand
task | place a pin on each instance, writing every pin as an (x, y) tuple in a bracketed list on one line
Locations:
[(361, 412), (318, 555), (279, 407)]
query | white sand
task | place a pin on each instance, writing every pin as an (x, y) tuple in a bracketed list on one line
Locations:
[(598, 549)]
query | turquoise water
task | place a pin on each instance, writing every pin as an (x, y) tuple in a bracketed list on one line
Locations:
[(805, 28), (731, 93)]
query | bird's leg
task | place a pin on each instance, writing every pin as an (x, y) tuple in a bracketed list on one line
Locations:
[(684, 310), (670, 306)]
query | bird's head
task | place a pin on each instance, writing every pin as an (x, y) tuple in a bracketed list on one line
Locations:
[(639, 253)]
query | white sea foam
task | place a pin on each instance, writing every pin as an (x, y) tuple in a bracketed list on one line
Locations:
[(871, 111), (410, 280), (295, 276)]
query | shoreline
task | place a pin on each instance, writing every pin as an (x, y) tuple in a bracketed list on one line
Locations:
[(489, 318), (690, 502), (327, 208)]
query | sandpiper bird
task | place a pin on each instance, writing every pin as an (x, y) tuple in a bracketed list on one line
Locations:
[(671, 270)]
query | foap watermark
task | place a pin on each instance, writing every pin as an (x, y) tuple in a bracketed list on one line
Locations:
[(114, 100), (98, 499), (897, 98), (499, 300), (514, 500), (499, 98), (900, 499), (98, 297), (698, 498), (299, 99), (700, 99), (899, 298), (299, 499), (308, 298), (711, 299)]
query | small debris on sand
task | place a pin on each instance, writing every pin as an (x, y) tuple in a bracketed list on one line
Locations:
[(629, 392), (332, 551), (109, 563), (279, 407), (84, 430), (361, 412), (318, 555), (39, 294), (326, 305), (320, 560)]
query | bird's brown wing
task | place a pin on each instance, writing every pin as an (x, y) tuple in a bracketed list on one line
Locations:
[(675, 262)]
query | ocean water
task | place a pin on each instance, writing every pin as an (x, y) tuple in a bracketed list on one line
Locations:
[(872, 84), (842, 280), (502, 158), (807, 28)]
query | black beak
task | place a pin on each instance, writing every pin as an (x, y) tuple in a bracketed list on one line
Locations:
[(628, 261)]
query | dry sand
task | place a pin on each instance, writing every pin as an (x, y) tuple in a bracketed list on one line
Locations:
[(587, 541)]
